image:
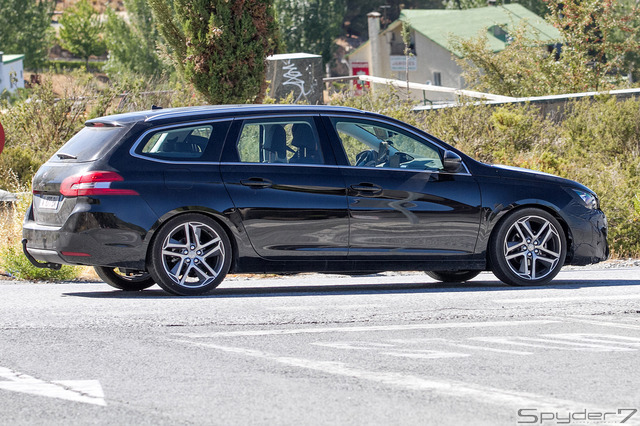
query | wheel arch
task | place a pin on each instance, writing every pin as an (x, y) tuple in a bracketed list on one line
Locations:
[(505, 214), (225, 223)]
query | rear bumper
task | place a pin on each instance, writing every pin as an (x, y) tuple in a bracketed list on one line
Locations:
[(85, 239)]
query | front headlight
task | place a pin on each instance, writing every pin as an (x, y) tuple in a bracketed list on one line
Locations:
[(590, 200)]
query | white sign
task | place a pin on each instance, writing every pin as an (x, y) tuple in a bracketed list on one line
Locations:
[(399, 63)]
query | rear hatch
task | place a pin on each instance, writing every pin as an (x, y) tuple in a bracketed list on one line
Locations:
[(77, 156)]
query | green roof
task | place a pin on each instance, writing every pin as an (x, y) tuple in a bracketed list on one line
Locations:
[(7, 59), (438, 24)]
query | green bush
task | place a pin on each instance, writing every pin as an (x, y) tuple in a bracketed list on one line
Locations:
[(16, 264), (12, 259)]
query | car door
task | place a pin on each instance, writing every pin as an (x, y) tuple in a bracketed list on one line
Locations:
[(402, 203), (286, 188)]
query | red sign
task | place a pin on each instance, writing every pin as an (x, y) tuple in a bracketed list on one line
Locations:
[(360, 68), (1, 138)]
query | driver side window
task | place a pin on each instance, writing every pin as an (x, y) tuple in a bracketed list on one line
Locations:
[(374, 144)]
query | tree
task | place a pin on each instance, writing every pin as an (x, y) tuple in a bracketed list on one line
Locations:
[(310, 25), (133, 45), (591, 54), (597, 34), (220, 46), (81, 31), (26, 29)]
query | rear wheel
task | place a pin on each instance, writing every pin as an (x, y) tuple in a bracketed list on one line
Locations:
[(528, 248), (124, 279), (190, 255), (452, 276)]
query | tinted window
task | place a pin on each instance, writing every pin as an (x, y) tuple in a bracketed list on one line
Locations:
[(88, 144), (186, 143), (279, 141), (374, 144)]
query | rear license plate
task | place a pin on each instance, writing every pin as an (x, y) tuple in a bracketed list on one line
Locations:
[(49, 202)]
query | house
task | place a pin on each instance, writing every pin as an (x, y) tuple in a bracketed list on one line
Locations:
[(433, 61), (11, 72)]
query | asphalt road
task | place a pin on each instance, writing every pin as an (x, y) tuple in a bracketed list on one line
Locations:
[(318, 349)]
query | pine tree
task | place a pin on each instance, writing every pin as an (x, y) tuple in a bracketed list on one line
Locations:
[(220, 46)]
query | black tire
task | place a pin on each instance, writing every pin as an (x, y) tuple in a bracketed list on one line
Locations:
[(127, 281), (190, 255), (528, 247), (452, 276)]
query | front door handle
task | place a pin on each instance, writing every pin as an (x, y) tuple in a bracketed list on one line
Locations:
[(367, 188)]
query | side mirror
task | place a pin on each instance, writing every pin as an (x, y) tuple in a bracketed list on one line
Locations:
[(452, 162)]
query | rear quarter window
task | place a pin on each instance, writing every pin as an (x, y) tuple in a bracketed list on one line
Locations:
[(89, 144), (186, 144)]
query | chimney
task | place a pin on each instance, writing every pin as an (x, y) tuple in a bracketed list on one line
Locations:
[(373, 20)]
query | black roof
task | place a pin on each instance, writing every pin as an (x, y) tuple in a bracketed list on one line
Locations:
[(158, 116)]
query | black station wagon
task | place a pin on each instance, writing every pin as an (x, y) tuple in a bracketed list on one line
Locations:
[(180, 197)]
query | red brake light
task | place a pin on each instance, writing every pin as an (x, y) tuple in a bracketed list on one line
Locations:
[(93, 183)]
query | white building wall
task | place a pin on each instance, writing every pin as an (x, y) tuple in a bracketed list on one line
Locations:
[(430, 57), (7, 69)]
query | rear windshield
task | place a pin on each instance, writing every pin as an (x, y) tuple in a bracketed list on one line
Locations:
[(88, 144)]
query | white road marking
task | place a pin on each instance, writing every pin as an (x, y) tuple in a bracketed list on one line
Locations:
[(85, 391), (599, 338), (604, 323), (449, 388), (353, 345), (360, 329), (551, 344), (483, 348), (568, 299), (424, 354), (458, 345)]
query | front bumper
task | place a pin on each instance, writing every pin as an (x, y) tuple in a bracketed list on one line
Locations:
[(589, 235)]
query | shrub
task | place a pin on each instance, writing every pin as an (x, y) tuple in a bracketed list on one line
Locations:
[(12, 260)]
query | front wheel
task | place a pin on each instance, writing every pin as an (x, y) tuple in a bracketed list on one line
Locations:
[(124, 279), (528, 248), (190, 255), (452, 276)]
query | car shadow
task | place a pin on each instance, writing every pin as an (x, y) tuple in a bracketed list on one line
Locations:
[(355, 289)]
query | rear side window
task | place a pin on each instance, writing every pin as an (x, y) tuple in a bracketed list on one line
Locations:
[(187, 143), (279, 141), (88, 144), (192, 143)]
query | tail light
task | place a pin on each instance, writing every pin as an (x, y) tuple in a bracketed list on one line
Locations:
[(93, 183)]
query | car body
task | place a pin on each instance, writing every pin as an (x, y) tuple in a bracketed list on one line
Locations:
[(182, 196)]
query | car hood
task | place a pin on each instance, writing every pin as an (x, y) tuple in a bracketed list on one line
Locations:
[(510, 172)]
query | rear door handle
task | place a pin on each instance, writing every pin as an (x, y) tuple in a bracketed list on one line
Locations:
[(257, 183), (367, 188)]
